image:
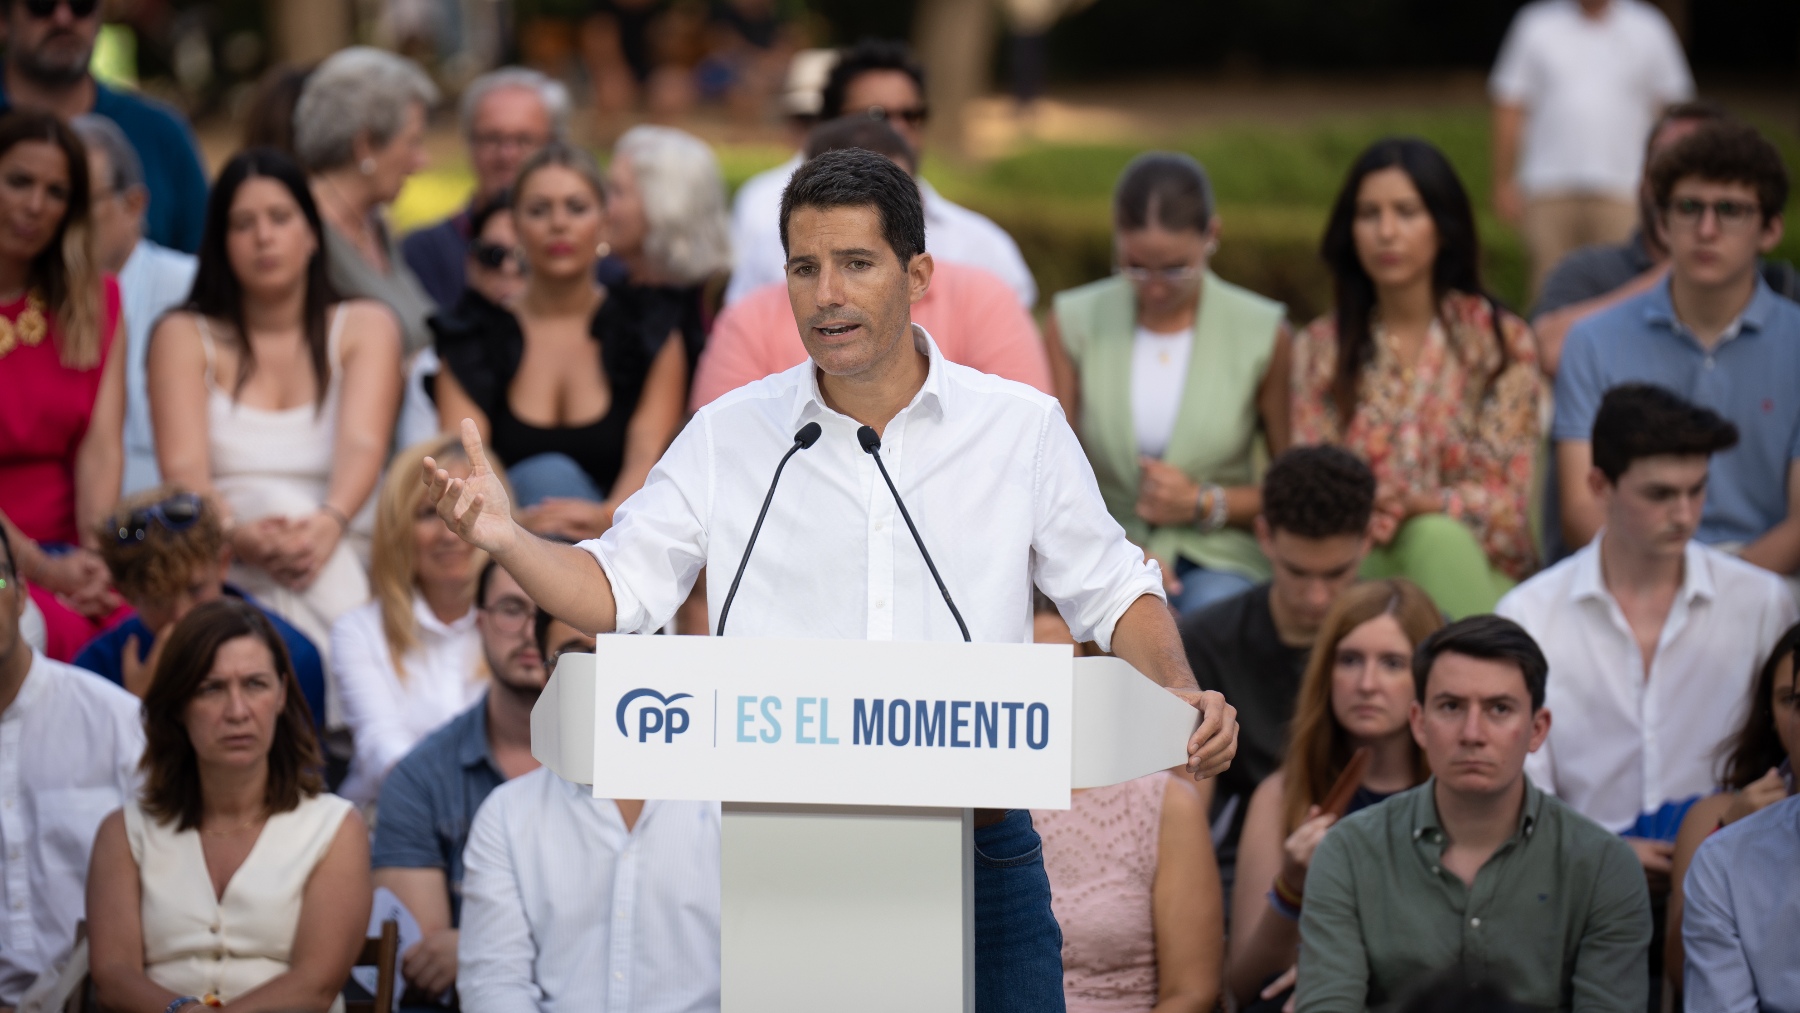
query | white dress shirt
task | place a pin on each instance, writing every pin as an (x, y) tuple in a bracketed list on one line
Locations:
[(565, 910), (1591, 89), (69, 749), (1623, 743), (387, 713), (153, 280), (992, 475), (952, 232)]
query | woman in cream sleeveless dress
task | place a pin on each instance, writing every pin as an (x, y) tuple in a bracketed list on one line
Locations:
[(197, 943)]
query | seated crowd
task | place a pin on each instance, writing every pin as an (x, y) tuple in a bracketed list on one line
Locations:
[(249, 680)]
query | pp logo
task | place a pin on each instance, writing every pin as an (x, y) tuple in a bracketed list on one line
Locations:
[(670, 721)]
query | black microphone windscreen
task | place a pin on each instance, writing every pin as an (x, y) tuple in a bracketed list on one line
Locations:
[(808, 435), (870, 442)]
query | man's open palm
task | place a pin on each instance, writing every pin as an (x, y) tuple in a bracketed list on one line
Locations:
[(476, 508)]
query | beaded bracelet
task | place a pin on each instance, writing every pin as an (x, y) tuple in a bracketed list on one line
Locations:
[(1289, 911)]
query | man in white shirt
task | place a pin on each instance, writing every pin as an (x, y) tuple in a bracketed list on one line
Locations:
[(152, 279), (1576, 88), (876, 77), (1654, 638), (69, 748), (576, 903), (991, 473)]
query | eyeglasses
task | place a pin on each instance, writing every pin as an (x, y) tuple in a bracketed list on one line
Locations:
[(1689, 212), (494, 256), (522, 142), (1170, 275), (510, 615), (916, 116), (47, 8), (175, 514)]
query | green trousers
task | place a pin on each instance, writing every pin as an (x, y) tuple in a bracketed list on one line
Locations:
[(1440, 554)]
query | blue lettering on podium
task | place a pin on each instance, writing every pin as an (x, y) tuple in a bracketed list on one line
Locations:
[(987, 719), (929, 725), (771, 704), (825, 736), (958, 721), (866, 723)]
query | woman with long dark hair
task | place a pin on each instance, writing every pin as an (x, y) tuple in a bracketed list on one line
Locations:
[(63, 408), (1357, 692), (272, 393), (1422, 373), (233, 878)]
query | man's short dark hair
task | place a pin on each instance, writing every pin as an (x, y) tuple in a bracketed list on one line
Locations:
[(869, 133), (1318, 492), (1726, 151), (1490, 638), (1696, 111), (1643, 420), (867, 55), (482, 582), (853, 177)]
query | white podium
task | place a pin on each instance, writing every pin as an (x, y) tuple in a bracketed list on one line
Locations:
[(848, 771)]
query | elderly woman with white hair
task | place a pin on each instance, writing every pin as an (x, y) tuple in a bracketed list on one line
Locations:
[(359, 130)]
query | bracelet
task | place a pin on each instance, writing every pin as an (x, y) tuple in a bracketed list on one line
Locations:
[(335, 514), (1287, 892), (1210, 519), (1281, 907), (183, 1001)]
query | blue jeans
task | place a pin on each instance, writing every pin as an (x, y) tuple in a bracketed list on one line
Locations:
[(1201, 587), (543, 476), (1018, 945)]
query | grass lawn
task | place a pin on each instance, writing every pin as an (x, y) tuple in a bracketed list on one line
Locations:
[(1275, 184)]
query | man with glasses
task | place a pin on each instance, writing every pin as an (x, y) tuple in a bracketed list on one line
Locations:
[(48, 46), (429, 799), (507, 116), (1715, 334), (880, 78), (166, 550)]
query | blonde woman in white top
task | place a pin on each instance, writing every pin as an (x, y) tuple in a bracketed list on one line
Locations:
[(233, 878), (271, 392), (410, 659)]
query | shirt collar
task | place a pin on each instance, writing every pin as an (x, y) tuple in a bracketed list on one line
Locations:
[(1590, 583), (430, 623), (1425, 822), (810, 402), (1659, 310), (37, 683), (472, 742)]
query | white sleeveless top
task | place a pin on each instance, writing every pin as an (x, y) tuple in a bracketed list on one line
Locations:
[(195, 943), (277, 463)]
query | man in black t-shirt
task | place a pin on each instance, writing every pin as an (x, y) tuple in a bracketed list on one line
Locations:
[(1253, 647)]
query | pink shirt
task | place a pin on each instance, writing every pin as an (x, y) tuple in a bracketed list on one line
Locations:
[(974, 318)]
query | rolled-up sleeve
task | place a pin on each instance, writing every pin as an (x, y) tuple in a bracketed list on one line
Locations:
[(1084, 562), (494, 950), (657, 545), (1718, 970)]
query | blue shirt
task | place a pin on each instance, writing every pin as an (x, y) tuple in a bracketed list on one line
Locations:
[(429, 799), (1740, 918), (1752, 377), (105, 654), (173, 172), (154, 279)]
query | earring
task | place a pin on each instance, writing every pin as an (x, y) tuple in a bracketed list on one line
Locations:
[(603, 249), (367, 166)]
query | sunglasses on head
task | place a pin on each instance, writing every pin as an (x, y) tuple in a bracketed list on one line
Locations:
[(177, 513), (47, 8), (494, 256)]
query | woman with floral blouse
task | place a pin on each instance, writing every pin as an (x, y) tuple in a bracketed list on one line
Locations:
[(1427, 378)]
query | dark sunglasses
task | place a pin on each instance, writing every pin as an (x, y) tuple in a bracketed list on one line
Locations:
[(47, 8), (916, 116), (177, 513), (494, 256)]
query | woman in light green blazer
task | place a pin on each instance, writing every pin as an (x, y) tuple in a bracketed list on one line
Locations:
[(1169, 374)]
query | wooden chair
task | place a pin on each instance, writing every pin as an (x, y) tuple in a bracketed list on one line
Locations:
[(383, 953)]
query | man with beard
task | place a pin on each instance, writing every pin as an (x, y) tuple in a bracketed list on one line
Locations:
[(428, 801), (49, 44)]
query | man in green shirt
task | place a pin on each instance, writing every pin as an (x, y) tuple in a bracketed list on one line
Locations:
[(1475, 870)]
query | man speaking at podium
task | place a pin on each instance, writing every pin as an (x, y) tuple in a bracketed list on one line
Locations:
[(988, 483)]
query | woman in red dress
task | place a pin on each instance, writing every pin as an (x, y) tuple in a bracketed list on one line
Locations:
[(63, 406)]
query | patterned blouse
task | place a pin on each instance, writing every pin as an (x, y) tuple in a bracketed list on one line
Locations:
[(1441, 426)]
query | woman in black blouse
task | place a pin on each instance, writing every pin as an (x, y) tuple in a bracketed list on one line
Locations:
[(565, 387)]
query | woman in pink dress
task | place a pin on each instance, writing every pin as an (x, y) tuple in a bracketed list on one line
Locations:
[(61, 419)]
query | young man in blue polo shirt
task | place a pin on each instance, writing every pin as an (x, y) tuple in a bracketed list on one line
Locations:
[(48, 46), (1713, 333)]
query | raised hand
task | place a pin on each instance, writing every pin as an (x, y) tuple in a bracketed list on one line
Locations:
[(477, 507)]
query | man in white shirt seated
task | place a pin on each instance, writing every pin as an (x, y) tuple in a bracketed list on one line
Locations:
[(69, 748), (1654, 639), (577, 904), (876, 77)]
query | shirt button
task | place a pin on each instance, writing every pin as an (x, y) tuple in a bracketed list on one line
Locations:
[(1475, 923), (881, 525), (19, 905), (1709, 362), (881, 603), (619, 975), (1436, 869)]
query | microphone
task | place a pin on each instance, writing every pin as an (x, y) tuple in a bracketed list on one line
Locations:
[(806, 437), (871, 445)]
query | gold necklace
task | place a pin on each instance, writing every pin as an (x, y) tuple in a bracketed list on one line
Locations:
[(28, 329), (237, 829)]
